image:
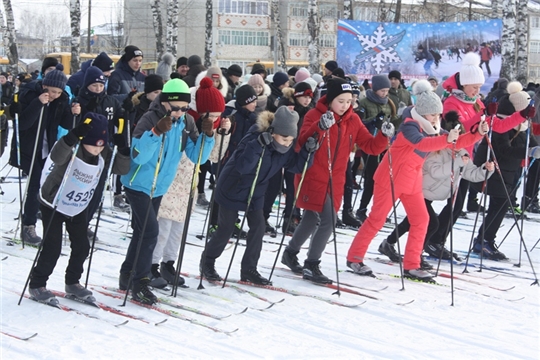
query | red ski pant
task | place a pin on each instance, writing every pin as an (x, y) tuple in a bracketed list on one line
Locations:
[(417, 214)]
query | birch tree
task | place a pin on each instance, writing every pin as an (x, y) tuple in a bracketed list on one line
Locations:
[(313, 38), (158, 27), (280, 46), (397, 17), (208, 33), (10, 39), (347, 10), (508, 43), (172, 26), (75, 17), (522, 39)]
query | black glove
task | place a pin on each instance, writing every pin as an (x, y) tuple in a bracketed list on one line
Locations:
[(379, 119), (128, 102), (120, 143), (81, 130), (265, 138), (451, 119), (311, 144)]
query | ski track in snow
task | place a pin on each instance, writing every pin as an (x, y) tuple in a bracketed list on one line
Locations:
[(477, 326)]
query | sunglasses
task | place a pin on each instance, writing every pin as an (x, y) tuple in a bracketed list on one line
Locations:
[(178, 108)]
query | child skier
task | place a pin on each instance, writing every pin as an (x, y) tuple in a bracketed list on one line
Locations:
[(70, 205)]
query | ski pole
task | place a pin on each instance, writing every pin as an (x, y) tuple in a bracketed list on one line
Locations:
[(18, 145), (194, 182), (525, 168), (245, 213), (150, 198), (291, 214), (55, 202)]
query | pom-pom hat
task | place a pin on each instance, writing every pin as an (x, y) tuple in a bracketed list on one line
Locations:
[(470, 72), (208, 98), (427, 101)]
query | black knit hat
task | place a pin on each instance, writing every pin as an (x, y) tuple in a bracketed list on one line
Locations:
[(194, 60), (245, 95), (336, 87), (104, 62), (98, 134), (130, 52), (93, 75), (331, 65), (56, 78), (152, 82), (47, 63), (292, 71), (258, 69), (234, 70), (339, 73), (181, 61), (303, 89), (394, 74)]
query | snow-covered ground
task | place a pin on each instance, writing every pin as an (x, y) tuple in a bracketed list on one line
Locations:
[(484, 323)]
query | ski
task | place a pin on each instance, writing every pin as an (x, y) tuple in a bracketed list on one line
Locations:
[(446, 274), (168, 312), (3, 202), (16, 333), (4, 258)]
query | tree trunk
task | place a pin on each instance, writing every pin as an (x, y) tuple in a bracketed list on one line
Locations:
[(11, 39), (508, 41), (75, 16), (172, 26), (397, 17), (495, 9), (347, 10), (280, 44), (208, 37), (522, 39), (158, 27), (313, 40)]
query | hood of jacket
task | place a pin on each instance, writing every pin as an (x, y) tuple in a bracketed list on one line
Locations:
[(224, 84), (264, 121), (451, 83)]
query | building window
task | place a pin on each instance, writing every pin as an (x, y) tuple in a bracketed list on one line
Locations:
[(296, 39), (534, 47), (535, 21), (534, 72), (328, 40), (240, 37), (245, 7), (328, 10), (298, 10)]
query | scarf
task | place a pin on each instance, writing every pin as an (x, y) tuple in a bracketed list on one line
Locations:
[(370, 94), (424, 124)]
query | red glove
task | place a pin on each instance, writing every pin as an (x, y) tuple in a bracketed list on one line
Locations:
[(528, 112), (492, 108)]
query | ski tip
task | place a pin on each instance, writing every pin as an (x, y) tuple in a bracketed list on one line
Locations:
[(230, 332), (121, 324), (243, 311), (160, 322)]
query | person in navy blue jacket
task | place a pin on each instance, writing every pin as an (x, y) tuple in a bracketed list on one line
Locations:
[(76, 81), (267, 148)]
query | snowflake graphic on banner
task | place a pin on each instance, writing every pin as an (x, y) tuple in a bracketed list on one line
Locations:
[(379, 48)]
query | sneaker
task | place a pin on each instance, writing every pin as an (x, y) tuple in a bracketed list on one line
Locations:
[(517, 210), (156, 280), (29, 235), (419, 275), (212, 186), (79, 292), (463, 215), (424, 265), (141, 292), (208, 271), (43, 295), (201, 200), (253, 276), (349, 219), (169, 273), (490, 250), (290, 259), (437, 251), (120, 203), (389, 250), (211, 231), (270, 230), (90, 234), (123, 281), (290, 228), (360, 268), (312, 272), (534, 207), (238, 233), (473, 206), (339, 223), (361, 215)]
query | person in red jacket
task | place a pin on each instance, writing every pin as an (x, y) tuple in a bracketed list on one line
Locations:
[(486, 54), (418, 135), (337, 128)]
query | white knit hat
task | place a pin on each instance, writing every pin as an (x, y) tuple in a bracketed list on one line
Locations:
[(471, 72)]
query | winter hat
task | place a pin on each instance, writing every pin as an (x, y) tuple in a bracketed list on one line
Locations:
[(153, 82), (56, 78), (93, 75), (301, 75), (356, 87), (104, 62), (470, 72), (256, 79), (181, 61), (312, 83), (331, 65), (48, 62), (433, 78), (317, 77), (516, 100), (234, 70), (336, 87), (285, 122), (98, 135), (214, 73), (165, 66), (303, 89), (292, 71), (208, 98), (339, 73), (379, 82), (245, 95), (427, 101), (175, 90), (194, 60), (258, 69), (131, 51), (280, 78), (394, 74), (502, 83)]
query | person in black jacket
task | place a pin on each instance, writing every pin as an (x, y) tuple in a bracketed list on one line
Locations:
[(233, 75), (280, 81), (45, 106), (102, 61), (265, 150), (7, 90), (153, 85)]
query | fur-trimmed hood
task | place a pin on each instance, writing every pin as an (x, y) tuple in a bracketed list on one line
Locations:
[(264, 120), (135, 99), (193, 90)]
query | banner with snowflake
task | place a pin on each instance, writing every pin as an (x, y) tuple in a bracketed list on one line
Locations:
[(417, 50)]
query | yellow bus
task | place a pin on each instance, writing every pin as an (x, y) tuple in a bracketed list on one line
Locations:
[(65, 59)]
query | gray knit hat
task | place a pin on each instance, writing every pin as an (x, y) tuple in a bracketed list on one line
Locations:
[(427, 101), (379, 82), (285, 122)]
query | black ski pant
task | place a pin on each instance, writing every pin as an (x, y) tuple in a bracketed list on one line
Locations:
[(487, 66), (141, 204), (220, 238), (31, 205), (204, 169), (494, 217), (290, 193), (533, 181), (52, 246), (371, 163), (440, 235), (275, 185)]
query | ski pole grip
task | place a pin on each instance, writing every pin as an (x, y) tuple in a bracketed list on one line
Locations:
[(120, 125)]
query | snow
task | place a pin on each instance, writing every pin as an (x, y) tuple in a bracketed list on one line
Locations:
[(483, 323)]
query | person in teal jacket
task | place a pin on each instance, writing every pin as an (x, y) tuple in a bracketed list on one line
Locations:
[(159, 139)]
